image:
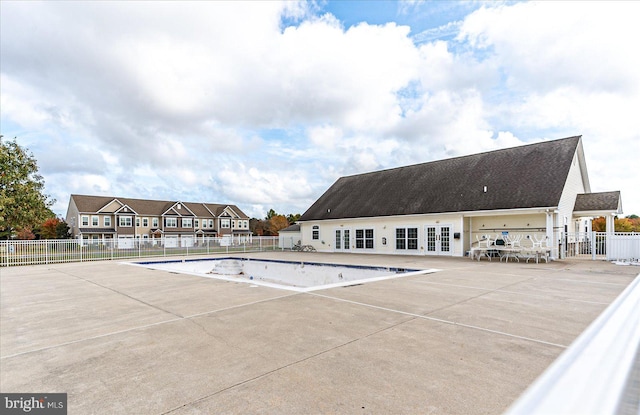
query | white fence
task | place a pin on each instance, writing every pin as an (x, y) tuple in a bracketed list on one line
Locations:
[(598, 373), (77, 250), (596, 245)]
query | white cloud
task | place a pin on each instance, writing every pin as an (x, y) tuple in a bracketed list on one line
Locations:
[(221, 102), (325, 136)]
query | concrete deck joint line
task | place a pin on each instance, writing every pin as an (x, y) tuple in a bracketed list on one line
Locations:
[(119, 292), (502, 333), (499, 290), (173, 320), (269, 372)]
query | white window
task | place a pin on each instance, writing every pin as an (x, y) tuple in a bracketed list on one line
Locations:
[(125, 221), (145, 222), (107, 221), (187, 222), (137, 221), (197, 223), (364, 238), (246, 224), (154, 222), (407, 238), (225, 223), (171, 222), (95, 221), (315, 232), (211, 223), (85, 220)]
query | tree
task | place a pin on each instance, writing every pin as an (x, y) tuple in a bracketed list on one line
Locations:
[(293, 218), (48, 228), (628, 224), (599, 224), (23, 205), (25, 234), (53, 228), (272, 223), (276, 223), (62, 230)]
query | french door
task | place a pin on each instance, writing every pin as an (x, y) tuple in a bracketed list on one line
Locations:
[(342, 240), (438, 239)]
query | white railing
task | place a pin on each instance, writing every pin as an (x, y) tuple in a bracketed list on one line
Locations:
[(619, 246), (595, 375), (51, 251), (624, 247)]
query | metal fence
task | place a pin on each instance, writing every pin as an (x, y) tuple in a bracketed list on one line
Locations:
[(13, 253), (620, 246)]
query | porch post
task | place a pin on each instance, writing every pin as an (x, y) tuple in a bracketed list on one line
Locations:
[(470, 233), (551, 243), (610, 230)]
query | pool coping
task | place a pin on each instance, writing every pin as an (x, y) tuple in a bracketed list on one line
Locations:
[(399, 272)]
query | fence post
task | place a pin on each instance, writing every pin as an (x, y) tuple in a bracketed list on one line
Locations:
[(593, 246)]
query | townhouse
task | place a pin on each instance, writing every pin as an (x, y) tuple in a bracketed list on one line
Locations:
[(100, 218)]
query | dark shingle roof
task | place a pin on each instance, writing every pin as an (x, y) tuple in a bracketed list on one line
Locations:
[(607, 201), (521, 177), (293, 228), (91, 204)]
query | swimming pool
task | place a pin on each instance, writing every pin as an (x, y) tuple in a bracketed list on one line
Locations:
[(288, 275)]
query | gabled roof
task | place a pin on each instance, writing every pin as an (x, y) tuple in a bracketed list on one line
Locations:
[(93, 204), (514, 178), (293, 228), (178, 209), (219, 210), (603, 202)]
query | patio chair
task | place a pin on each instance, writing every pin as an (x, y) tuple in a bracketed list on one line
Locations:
[(513, 241), (503, 250), (484, 243), (537, 243), (541, 247)]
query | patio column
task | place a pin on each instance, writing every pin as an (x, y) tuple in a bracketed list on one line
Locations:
[(551, 243), (610, 230)]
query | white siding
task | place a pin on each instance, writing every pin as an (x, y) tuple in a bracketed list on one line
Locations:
[(573, 186), (383, 227)]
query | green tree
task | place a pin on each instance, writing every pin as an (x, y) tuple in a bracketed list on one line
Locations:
[(62, 230), (271, 213), (23, 205), (293, 218)]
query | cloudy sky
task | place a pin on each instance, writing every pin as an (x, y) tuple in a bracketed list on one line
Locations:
[(265, 104)]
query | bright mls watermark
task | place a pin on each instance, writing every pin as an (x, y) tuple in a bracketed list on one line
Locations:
[(33, 403)]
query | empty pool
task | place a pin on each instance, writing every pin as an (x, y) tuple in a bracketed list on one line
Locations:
[(289, 275)]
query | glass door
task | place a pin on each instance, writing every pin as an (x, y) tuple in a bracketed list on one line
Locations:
[(438, 239), (342, 240)]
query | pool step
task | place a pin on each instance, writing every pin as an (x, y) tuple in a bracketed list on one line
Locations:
[(227, 267)]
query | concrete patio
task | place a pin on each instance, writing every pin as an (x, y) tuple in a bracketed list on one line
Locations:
[(468, 339)]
